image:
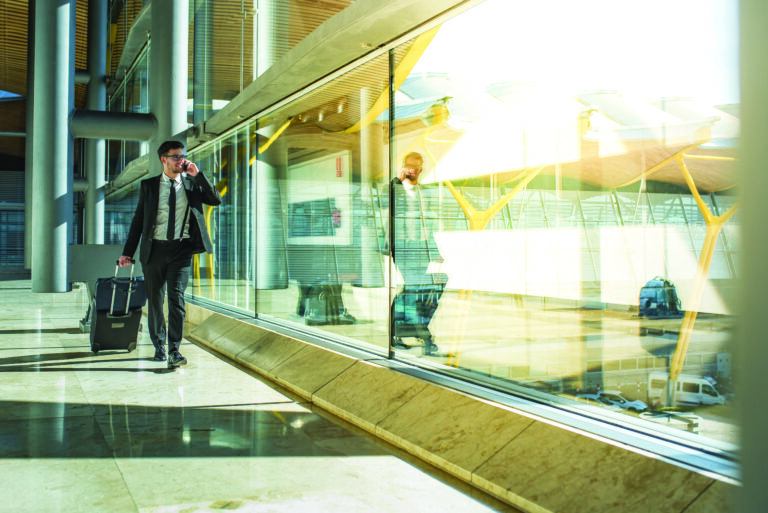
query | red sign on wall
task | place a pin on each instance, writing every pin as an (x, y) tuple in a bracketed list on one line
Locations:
[(338, 167)]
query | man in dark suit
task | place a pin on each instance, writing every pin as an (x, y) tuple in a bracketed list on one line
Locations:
[(169, 222), (415, 305)]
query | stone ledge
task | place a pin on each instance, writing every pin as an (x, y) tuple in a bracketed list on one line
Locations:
[(528, 462)]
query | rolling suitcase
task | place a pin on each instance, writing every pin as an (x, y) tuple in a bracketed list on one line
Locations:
[(413, 309), (116, 310)]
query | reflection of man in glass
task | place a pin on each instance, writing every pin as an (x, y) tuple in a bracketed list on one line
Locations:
[(414, 306)]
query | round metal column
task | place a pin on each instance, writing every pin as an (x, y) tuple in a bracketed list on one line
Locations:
[(168, 68), (95, 149), (29, 144), (271, 166), (52, 175)]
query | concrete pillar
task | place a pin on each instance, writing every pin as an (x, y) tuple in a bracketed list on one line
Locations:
[(271, 264), (29, 148), (168, 69), (53, 146), (96, 99)]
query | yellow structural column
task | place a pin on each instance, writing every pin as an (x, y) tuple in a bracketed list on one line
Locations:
[(478, 220), (714, 226)]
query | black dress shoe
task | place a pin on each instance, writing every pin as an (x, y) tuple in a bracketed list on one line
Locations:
[(398, 343), (159, 354), (176, 360), (431, 349)]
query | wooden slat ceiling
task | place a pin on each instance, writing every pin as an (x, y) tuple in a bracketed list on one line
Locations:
[(13, 46), (231, 48)]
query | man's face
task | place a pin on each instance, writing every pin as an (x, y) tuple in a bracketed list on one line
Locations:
[(173, 161), (412, 168)]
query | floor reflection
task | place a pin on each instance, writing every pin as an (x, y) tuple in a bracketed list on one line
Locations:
[(119, 432)]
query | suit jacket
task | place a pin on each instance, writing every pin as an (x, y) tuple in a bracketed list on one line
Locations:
[(199, 191), (414, 242)]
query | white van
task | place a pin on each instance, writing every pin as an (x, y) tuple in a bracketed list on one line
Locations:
[(689, 390)]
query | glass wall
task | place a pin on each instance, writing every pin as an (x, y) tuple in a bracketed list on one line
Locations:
[(131, 96), (227, 275), (545, 208), (122, 14), (591, 167)]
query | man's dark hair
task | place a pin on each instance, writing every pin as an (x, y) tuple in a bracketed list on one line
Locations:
[(168, 146)]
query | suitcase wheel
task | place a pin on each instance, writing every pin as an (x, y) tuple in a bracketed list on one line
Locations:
[(95, 348), (131, 346)]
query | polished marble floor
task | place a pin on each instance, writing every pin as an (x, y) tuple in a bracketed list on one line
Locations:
[(118, 432)]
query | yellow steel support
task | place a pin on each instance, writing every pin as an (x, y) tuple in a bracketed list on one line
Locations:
[(478, 220), (274, 137), (401, 73), (222, 188), (714, 226), (459, 328)]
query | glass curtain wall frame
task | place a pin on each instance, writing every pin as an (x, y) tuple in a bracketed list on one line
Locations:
[(317, 169)]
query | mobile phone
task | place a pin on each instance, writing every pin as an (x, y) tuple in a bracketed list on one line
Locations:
[(184, 166)]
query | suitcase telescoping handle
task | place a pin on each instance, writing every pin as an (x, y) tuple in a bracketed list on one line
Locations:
[(114, 288)]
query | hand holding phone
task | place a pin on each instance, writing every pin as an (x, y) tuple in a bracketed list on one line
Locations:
[(190, 168)]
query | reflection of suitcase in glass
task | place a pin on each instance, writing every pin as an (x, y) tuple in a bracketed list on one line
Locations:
[(413, 309), (116, 310)]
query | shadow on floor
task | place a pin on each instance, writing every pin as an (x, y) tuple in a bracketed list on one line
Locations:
[(47, 331)]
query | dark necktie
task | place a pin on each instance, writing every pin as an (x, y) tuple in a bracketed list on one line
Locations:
[(172, 211)]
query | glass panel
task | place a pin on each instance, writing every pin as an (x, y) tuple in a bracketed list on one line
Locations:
[(118, 214), (120, 22), (227, 275), (321, 165), (553, 234), (131, 96)]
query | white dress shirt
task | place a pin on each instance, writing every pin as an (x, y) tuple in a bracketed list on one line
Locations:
[(161, 227)]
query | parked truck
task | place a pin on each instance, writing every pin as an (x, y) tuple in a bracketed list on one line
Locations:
[(689, 390)]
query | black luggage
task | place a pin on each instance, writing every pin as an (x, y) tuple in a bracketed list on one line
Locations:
[(322, 304), (659, 300), (116, 312), (413, 309)]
